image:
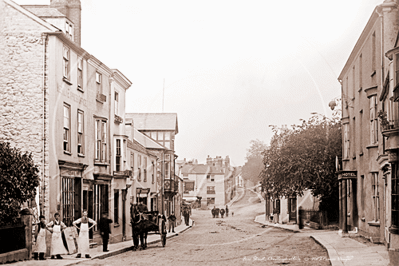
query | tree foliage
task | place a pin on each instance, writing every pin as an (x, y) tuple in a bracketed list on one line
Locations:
[(18, 181), (303, 157), (254, 164)]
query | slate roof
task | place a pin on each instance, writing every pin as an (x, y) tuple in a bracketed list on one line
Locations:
[(154, 121), (43, 11), (146, 141), (201, 169)]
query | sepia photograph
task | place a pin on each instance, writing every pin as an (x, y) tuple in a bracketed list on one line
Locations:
[(186, 132)]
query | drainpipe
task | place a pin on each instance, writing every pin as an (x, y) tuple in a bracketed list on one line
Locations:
[(43, 181), (111, 120)]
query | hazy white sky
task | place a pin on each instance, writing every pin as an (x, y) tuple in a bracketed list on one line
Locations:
[(231, 68)]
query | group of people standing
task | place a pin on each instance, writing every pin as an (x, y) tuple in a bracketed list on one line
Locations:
[(216, 211), (56, 227)]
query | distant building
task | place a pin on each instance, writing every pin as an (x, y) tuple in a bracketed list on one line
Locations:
[(212, 182)]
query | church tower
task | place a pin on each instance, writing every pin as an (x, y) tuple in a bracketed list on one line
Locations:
[(72, 9)]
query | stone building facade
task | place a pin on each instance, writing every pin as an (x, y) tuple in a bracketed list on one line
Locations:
[(369, 200), (59, 105)]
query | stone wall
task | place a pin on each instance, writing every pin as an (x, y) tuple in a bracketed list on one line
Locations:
[(21, 82)]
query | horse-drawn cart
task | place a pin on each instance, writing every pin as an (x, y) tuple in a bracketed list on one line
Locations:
[(161, 222), (145, 223)]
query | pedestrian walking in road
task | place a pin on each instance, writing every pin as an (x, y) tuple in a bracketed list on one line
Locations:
[(227, 211), (105, 230), (172, 220), (186, 215), (83, 240), (213, 211), (57, 246), (40, 239), (222, 212), (217, 212)]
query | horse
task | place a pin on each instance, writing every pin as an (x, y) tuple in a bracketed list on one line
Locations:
[(141, 225)]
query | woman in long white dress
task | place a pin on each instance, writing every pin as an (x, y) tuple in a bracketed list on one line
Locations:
[(83, 240), (57, 246)]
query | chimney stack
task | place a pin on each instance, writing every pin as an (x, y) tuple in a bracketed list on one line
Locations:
[(209, 160), (72, 9)]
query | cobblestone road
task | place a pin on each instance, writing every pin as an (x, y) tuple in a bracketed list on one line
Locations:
[(235, 240)]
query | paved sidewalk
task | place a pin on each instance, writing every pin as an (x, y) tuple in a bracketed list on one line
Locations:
[(97, 253), (342, 251)]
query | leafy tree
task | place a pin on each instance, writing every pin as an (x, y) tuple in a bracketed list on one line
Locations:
[(254, 164), (18, 181), (303, 157)]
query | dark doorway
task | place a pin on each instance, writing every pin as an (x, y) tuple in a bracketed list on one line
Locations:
[(292, 209), (88, 205), (78, 198)]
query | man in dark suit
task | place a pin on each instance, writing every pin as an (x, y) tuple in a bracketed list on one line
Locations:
[(105, 230), (172, 220)]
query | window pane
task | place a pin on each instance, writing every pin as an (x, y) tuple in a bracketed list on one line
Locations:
[(66, 134), (66, 116), (104, 154), (98, 129), (80, 122), (104, 131), (167, 144), (118, 147), (98, 77), (160, 135)]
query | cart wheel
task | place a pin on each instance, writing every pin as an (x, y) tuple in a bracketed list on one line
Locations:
[(163, 239)]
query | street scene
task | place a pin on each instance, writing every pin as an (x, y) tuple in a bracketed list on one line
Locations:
[(199, 132), (232, 240)]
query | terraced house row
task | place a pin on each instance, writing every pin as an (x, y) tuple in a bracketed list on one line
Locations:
[(68, 108), (369, 179)]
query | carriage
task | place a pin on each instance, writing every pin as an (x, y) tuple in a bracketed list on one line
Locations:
[(149, 223), (161, 229)]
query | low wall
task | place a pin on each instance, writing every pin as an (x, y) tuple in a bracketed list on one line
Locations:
[(18, 241)]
